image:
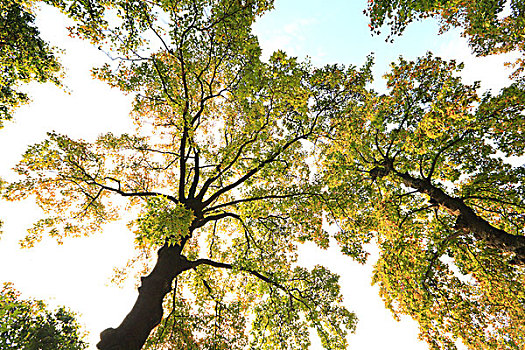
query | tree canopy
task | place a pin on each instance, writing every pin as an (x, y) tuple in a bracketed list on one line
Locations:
[(236, 161), (24, 55), (29, 325), (420, 168), (217, 172)]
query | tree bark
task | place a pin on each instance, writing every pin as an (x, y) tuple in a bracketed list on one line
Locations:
[(147, 312), (468, 221)]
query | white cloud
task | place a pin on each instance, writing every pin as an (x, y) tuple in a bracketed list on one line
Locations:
[(293, 37), (490, 71)]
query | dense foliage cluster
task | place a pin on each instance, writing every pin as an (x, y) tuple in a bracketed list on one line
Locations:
[(28, 325), (24, 55)]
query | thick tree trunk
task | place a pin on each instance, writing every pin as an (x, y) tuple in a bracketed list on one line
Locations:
[(469, 221), (146, 314)]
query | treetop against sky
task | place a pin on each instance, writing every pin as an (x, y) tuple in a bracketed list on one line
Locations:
[(239, 158)]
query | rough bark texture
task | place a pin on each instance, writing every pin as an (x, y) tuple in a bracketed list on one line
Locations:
[(146, 314), (468, 221)]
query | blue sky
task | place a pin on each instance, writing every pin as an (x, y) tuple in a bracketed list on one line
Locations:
[(336, 31), (77, 273)]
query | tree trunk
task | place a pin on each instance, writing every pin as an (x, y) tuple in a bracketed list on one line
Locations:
[(146, 314), (469, 221)]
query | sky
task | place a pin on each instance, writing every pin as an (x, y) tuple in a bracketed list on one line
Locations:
[(77, 273)]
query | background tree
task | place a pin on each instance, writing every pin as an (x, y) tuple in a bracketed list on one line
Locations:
[(24, 55), (425, 170), (490, 26), (217, 175), (28, 325)]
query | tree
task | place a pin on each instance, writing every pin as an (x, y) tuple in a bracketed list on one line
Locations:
[(217, 175), (486, 24), (28, 325), (24, 55), (425, 170)]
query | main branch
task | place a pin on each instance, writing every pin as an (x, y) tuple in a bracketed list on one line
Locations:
[(467, 219)]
